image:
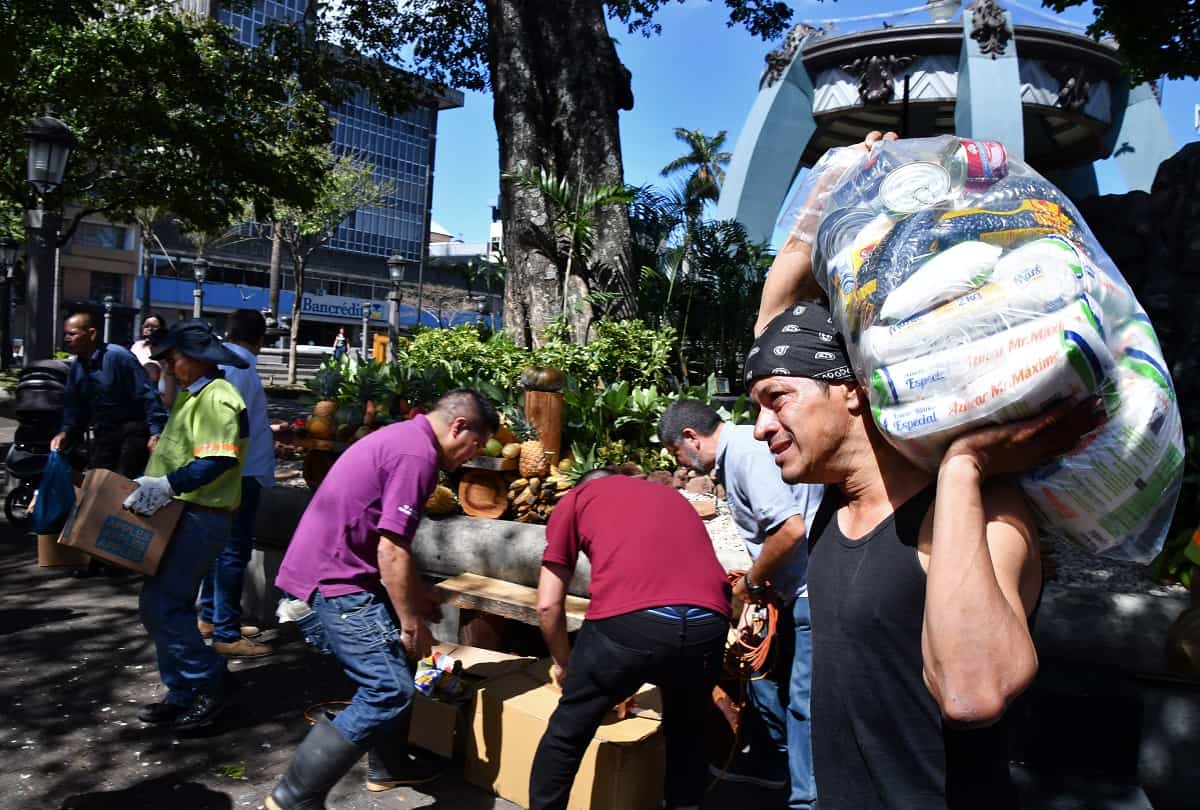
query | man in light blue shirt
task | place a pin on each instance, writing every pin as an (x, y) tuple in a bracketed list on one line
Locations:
[(772, 518), (221, 593)]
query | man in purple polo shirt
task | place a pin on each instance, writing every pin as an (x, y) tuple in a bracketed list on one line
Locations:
[(351, 561)]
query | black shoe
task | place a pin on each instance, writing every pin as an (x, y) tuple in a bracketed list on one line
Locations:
[(207, 707), (158, 713), (397, 768)]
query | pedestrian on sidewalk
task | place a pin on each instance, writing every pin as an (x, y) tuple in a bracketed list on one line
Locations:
[(659, 613), (198, 461), (771, 516), (351, 561), (108, 391), (339, 344), (221, 593)]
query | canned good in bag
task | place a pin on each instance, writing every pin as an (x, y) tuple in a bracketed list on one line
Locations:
[(977, 164)]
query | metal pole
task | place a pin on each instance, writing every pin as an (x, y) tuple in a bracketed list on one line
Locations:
[(197, 300), (108, 304), (393, 321), (41, 230), (366, 316)]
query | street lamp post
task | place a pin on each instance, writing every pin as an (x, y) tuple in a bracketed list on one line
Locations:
[(108, 307), (200, 271), (366, 317), (50, 144), (395, 266), (9, 249)]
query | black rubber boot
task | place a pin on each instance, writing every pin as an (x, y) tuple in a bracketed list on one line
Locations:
[(321, 760), (390, 764)]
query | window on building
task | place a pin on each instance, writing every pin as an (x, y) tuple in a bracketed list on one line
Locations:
[(93, 234), (103, 284)]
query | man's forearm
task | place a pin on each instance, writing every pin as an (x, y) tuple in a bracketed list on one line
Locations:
[(405, 588), (553, 623), (777, 548)]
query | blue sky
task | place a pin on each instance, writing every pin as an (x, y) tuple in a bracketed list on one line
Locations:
[(700, 75)]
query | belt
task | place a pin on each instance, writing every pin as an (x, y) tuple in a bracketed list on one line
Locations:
[(199, 507)]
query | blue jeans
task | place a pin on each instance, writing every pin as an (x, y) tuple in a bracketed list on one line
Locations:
[(186, 664), (221, 592), (782, 700), (358, 629)]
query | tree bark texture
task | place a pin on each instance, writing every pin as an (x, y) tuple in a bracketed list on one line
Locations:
[(297, 300), (275, 272), (557, 86)]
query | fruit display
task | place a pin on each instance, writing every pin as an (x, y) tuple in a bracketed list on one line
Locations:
[(442, 501), (532, 456), (532, 499)]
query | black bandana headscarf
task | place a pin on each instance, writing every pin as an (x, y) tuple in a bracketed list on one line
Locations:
[(800, 342)]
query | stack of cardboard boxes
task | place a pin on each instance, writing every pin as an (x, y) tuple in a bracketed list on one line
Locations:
[(502, 717)]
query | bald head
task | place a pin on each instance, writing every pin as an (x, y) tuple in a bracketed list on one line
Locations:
[(79, 334)]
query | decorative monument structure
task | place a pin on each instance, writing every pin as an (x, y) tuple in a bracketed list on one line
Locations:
[(1055, 98)]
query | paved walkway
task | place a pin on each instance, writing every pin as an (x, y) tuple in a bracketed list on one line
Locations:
[(76, 664)]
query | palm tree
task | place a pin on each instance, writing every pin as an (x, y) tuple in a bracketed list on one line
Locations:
[(704, 161)]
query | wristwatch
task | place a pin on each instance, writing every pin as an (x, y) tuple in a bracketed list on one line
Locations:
[(753, 588)]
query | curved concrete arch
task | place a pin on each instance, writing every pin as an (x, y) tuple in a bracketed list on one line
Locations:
[(766, 158)]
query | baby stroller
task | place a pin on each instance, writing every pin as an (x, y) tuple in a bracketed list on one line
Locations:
[(39, 407)]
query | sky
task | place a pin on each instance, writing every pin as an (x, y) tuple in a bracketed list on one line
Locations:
[(698, 74)]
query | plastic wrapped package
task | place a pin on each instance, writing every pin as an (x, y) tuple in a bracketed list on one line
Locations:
[(970, 292)]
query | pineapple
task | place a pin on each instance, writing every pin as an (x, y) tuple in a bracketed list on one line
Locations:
[(532, 460), (442, 501)]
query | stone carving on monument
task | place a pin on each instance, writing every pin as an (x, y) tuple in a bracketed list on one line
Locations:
[(877, 76), (780, 59), (990, 28), (1075, 84)]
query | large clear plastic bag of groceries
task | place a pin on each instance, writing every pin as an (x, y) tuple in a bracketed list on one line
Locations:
[(970, 291)]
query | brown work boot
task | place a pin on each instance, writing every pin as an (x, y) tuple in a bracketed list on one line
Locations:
[(242, 648), (247, 630)]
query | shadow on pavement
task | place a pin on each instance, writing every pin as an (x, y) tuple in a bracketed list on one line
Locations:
[(152, 794)]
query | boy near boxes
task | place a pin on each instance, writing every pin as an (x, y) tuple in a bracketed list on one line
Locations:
[(198, 460)]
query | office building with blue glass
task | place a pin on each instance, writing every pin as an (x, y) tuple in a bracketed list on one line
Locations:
[(351, 269)]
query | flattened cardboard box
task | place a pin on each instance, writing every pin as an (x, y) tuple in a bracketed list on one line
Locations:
[(104, 528), (622, 768), (436, 724)]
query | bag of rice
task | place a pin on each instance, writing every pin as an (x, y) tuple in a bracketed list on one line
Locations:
[(972, 294)]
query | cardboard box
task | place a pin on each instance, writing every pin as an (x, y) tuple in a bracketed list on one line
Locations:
[(622, 768), (52, 553), (437, 725), (102, 527)]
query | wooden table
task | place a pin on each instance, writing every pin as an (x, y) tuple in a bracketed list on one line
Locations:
[(505, 599)]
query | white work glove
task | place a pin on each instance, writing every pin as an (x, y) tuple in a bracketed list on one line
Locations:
[(151, 495)]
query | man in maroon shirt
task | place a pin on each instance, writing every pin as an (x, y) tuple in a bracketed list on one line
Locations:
[(659, 613)]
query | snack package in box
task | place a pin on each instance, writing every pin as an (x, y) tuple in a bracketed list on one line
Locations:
[(970, 292)]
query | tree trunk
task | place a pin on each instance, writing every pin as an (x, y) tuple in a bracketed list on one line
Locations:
[(557, 86), (275, 271), (297, 299)]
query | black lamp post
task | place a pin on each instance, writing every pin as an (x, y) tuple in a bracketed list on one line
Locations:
[(200, 271), (50, 145), (396, 269), (9, 250)]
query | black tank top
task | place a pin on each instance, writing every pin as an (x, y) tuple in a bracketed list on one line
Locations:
[(878, 736)]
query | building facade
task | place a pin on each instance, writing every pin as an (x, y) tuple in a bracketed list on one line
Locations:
[(348, 276)]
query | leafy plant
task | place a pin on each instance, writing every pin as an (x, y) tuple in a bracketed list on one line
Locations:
[(326, 384)]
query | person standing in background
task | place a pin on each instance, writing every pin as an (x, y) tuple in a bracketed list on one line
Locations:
[(771, 516), (108, 391), (220, 615)]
